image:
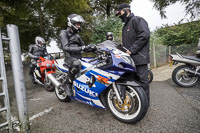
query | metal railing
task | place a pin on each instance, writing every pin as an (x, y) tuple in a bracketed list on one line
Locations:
[(20, 91), (4, 93)]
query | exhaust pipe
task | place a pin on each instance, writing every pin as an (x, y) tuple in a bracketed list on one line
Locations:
[(53, 80), (193, 72)]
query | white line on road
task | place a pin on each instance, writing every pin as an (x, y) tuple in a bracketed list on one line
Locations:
[(36, 99), (40, 114), (31, 118)]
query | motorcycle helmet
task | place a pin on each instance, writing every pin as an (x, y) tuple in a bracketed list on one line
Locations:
[(39, 41), (109, 36), (74, 19)]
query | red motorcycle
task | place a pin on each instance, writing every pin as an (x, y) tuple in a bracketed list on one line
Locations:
[(45, 66)]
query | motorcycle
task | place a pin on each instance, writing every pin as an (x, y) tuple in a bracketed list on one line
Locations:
[(104, 82), (45, 66), (186, 75)]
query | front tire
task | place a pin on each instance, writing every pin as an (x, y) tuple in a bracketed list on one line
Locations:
[(134, 107), (184, 78)]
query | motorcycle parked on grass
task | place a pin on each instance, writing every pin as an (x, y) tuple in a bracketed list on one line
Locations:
[(186, 75), (103, 82), (45, 66)]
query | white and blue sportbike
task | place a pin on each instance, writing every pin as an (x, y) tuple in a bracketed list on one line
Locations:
[(105, 82)]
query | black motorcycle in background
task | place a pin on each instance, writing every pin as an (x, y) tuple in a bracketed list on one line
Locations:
[(186, 75)]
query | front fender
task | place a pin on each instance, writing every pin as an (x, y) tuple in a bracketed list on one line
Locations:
[(119, 82), (128, 82)]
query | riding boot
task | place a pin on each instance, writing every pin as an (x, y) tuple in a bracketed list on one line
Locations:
[(32, 77), (68, 89)]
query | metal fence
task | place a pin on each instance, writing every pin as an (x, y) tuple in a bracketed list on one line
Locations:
[(159, 55)]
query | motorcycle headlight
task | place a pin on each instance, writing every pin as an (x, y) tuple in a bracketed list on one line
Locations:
[(128, 60)]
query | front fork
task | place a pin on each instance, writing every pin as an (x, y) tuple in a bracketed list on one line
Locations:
[(119, 94)]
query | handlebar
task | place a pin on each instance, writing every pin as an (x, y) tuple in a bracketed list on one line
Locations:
[(93, 59), (100, 57)]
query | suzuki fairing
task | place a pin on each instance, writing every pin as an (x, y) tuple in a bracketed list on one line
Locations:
[(105, 82)]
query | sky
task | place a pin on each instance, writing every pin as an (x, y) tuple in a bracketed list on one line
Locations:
[(53, 47), (145, 9)]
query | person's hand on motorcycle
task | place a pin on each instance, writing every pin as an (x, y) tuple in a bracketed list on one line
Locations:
[(128, 52)]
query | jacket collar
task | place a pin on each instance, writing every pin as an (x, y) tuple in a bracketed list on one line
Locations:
[(129, 17), (70, 30)]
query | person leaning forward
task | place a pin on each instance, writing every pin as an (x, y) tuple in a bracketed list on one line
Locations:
[(135, 37)]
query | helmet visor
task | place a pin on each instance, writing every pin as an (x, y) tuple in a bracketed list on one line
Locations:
[(78, 19)]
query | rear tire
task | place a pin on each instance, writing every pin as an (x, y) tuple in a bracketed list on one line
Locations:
[(62, 97), (183, 78), (48, 86), (134, 107)]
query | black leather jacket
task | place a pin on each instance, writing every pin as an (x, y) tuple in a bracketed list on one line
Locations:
[(71, 43), (35, 51)]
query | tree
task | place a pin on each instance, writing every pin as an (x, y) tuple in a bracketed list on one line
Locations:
[(59, 10), (18, 13), (112, 24), (180, 34), (107, 7), (192, 7), (42, 17)]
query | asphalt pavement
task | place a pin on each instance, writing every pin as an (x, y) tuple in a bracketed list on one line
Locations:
[(172, 110)]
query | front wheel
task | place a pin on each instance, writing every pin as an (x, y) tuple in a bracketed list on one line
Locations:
[(184, 78), (134, 107)]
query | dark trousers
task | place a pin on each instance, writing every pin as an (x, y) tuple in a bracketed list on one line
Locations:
[(32, 66), (142, 78), (74, 66)]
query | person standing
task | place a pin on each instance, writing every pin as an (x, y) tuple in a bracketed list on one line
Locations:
[(135, 38)]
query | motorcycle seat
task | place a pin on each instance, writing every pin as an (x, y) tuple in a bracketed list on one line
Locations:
[(191, 58)]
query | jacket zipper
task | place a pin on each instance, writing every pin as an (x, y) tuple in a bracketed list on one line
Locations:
[(142, 55)]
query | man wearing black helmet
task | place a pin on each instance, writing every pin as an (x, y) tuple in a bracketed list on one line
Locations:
[(109, 36), (72, 45), (135, 37), (35, 51)]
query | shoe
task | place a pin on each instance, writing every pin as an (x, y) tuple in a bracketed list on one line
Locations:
[(68, 89), (32, 79)]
